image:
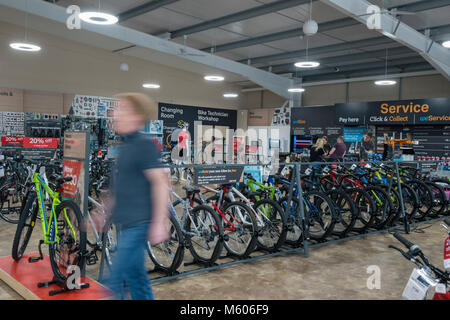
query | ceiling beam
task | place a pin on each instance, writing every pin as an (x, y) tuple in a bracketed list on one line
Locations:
[(292, 33), (372, 71), (238, 16), (336, 60), (361, 66), (342, 23), (144, 8), (57, 14), (434, 53), (436, 31)]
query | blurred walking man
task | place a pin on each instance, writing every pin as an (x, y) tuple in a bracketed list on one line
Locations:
[(140, 193)]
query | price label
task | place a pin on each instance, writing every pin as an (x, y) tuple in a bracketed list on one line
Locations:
[(447, 253)]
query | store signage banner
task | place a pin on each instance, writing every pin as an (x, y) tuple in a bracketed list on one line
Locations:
[(315, 121), (422, 111), (224, 175), (12, 141), (179, 116), (40, 143)]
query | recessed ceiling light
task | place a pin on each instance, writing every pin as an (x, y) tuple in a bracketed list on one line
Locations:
[(214, 78), (230, 95), (296, 90), (151, 86), (385, 82), (307, 64), (98, 18), (446, 44), (25, 46)]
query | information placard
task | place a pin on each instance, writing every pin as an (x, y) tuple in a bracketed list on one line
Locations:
[(218, 175)]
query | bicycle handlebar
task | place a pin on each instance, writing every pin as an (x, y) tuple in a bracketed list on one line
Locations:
[(404, 241)]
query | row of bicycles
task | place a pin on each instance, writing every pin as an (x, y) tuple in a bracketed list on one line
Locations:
[(335, 201), (208, 222)]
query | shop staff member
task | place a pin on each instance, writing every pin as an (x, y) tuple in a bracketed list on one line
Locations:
[(387, 148), (140, 195), (367, 146), (326, 145), (339, 150)]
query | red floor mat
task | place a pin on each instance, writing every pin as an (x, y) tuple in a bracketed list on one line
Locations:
[(23, 277)]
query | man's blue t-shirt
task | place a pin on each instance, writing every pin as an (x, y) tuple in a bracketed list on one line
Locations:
[(132, 190)]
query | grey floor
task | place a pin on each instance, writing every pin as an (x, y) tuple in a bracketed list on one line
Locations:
[(337, 271)]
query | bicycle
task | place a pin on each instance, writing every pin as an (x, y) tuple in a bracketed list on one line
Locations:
[(199, 229), (427, 276), (60, 228)]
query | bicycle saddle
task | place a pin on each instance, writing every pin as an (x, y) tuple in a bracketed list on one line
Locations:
[(190, 189), (59, 179)]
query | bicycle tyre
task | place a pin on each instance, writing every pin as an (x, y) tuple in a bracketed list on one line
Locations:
[(25, 226), (80, 247), (294, 235), (217, 249), (176, 256), (347, 221), (282, 222), (229, 219), (365, 207)]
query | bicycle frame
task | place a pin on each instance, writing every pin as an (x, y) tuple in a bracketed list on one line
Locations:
[(50, 235)]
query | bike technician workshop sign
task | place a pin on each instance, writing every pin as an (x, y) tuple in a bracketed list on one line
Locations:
[(422, 111), (177, 116)]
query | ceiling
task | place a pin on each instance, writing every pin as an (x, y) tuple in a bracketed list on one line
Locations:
[(267, 33)]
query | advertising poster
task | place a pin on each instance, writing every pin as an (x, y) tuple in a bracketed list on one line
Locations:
[(180, 116), (71, 168)]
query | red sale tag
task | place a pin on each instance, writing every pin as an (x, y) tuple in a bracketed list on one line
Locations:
[(447, 253), (11, 141), (72, 169), (40, 143)]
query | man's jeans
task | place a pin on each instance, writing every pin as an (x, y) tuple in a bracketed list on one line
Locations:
[(129, 264)]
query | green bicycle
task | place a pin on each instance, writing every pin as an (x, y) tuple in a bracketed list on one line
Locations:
[(60, 227)]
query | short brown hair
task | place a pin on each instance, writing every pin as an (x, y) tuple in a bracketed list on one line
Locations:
[(142, 104), (342, 138)]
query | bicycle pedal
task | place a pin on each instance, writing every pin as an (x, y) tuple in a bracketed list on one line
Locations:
[(34, 259), (91, 260)]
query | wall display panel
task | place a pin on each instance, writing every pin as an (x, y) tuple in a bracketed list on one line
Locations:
[(316, 122), (12, 123), (92, 106)]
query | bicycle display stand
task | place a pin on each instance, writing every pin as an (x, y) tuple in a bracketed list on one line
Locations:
[(23, 279), (402, 224)]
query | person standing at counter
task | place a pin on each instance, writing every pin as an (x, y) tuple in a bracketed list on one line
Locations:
[(326, 145), (387, 148), (318, 151), (339, 150)]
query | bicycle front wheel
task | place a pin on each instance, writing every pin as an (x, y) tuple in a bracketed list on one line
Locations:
[(168, 255), (69, 248), (240, 229), (25, 227), (273, 224), (205, 234)]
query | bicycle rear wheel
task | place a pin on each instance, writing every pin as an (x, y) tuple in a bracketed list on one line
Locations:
[(440, 199), (205, 233), (168, 255), (25, 227), (70, 250)]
